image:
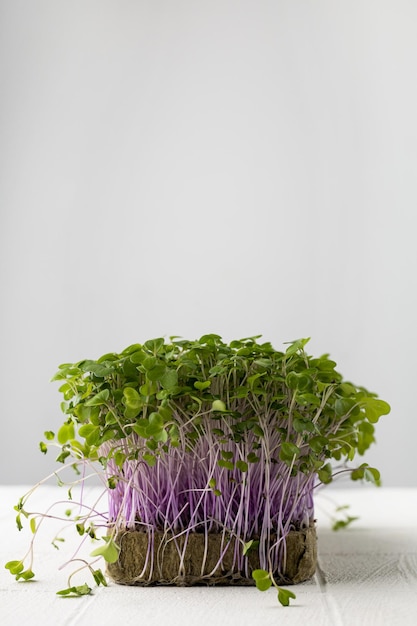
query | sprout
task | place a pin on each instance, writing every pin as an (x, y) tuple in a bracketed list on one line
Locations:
[(203, 438)]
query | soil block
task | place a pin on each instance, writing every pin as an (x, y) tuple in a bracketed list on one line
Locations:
[(177, 561)]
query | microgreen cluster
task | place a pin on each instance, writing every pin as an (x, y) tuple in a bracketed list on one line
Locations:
[(208, 437)]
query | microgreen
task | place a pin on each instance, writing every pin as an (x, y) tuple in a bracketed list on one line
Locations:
[(209, 437), (343, 523), (80, 590), (17, 569)]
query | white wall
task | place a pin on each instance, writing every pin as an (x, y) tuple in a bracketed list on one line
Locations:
[(183, 167)]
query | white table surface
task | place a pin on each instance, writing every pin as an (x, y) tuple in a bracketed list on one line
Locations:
[(367, 574)]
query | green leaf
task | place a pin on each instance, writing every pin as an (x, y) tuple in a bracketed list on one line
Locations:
[(148, 389), (296, 346), (141, 428), (43, 447), (302, 425), (250, 545), (372, 475), (210, 339), (308, 398), (165, 412), (262, 579), (325, 474), (66, 432), (169, 380), (252, 458), (99, 398), (138, 356), (154, 345), (365, 436), (255, 379), (14, 567), (288, 451), (161, 436), (343, 406), (156, 424), (292, 380), (318, 443), (359, 472), (101, 370), (284, 596), (112, 482), (26, 575), (150, 362), (61, 457), (99, 578), (57, 539), (346, 389), (149, 459), (374, 408), (109, 551), (81, 590), (173, 434), (226, 464), (132, 348), (218, 405), (201, 385), (90, 433), (258, 431), (299, 380), (241, 392), (132, 399), (156, 373), (343, 523), (19, 505), (242, 466), (87, 413), (325, 364)]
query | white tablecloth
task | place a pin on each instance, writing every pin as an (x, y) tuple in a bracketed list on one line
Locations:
[(367, 574)]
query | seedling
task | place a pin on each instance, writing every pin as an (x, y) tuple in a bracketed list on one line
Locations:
[(208, 437)]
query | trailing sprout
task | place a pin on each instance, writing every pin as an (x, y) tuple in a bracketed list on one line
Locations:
[(208, 437)]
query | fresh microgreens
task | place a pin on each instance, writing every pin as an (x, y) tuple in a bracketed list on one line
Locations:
[(188, 434)]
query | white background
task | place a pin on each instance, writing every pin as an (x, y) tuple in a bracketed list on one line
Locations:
[(178, 167)]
